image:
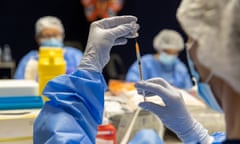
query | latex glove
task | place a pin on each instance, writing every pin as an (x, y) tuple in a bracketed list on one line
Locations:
[(103, 35), (174, 114)]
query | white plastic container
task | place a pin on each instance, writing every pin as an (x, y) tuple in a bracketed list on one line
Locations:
[(18, 88)]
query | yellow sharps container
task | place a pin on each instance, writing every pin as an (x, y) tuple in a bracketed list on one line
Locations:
[(51, 63)]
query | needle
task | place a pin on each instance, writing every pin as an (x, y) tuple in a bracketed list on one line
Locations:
[(139, 64)]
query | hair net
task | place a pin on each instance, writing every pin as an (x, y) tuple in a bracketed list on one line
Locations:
[(168, 39), (215, 25), (48, 22)]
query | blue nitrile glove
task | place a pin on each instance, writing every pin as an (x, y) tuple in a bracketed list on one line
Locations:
[(103, 35), (174, 114)]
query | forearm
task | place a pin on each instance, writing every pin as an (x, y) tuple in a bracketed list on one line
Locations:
[(75, 108)]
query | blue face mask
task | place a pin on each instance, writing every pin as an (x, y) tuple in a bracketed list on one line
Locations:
[(52, 42), (204, 89), (206, 94), (167, 59)]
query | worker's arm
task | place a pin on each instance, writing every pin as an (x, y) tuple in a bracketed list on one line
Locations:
[(74, 111), (174, 113), (76, 100)]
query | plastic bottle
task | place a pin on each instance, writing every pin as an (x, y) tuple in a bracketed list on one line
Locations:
[(31, 70), (0, 54), (6, 54), (106, 134), (51, 64)]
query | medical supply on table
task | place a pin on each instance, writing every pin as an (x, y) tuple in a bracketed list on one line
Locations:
[(15, 103), (106, 134), (118, 87), (19, 106), (139, 63), (19, 94), (6, 54), (18, 88), (20, 102), (16, 126), (72, 56), (31, 70), (51, 64)]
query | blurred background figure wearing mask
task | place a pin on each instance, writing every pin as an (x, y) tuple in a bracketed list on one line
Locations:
[(214, 60), (165, 64), (76, 101), (49, 32)]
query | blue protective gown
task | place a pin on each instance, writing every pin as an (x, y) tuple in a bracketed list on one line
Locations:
[(72, 57), (74, 111), (177, 74)]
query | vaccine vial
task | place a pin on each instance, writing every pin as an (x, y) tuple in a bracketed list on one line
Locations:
[(6, 54)]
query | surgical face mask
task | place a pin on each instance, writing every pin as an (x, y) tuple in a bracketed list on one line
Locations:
[(204, 89), (167, 59), (206, 94), (52, 42)]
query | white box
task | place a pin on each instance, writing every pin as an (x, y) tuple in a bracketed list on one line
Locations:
[(18, 88), (16, 126)]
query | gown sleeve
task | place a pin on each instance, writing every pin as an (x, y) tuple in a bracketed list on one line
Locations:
[(74, 110)]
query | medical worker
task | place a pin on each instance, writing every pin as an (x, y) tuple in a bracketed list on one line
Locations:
[(49, 33), (165, 64), (214, 56), (76, 101)]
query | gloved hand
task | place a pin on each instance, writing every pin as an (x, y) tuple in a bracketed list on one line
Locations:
[(103, 35), (174, 114)]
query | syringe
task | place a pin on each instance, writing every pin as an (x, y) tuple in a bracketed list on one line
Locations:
[(139, 64), (130, 128)]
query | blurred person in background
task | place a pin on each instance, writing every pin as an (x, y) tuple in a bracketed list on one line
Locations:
[(165, 63), (49, 32)]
